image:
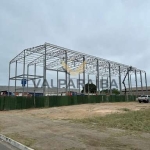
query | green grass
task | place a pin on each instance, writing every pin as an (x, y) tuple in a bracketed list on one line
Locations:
[(131, 120), (124, 109)]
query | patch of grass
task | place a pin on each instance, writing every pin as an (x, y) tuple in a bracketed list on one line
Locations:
[(105, 143), (22, 139), (131, 120), (124, 109)]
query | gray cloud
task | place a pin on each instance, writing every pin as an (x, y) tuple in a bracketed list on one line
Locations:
[(114, 30)]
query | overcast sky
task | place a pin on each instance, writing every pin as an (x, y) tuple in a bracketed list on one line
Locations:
[(118, 30)]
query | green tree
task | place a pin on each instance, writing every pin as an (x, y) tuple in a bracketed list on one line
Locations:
[(114, 91), (91, 88)]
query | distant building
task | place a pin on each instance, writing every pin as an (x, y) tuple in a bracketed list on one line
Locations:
[(31, 90), (139, 91)]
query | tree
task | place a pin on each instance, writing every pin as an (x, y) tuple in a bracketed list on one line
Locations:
[(91, 88), (114, 91)]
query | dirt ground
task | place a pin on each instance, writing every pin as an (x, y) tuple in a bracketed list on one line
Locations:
[(52, 128)]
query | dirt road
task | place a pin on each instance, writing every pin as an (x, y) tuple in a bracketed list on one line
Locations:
[(51, 128)]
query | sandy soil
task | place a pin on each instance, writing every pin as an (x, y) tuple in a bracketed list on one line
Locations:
[(49, 129)]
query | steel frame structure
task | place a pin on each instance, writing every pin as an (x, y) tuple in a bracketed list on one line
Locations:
[(50, 56)]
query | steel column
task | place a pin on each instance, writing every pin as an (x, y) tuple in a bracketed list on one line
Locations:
[(34, 81), (24, 67), (102, 84), (141, 81), (84, 73), (110, 78), (88, 85), (120, 87), (136, 82), (9, 79), (129, 84), (66, 72), (69, 82), (79, 83), (57, 83), (28, 78), (98, 77), (44, 72), (146, 83), (15, 76)]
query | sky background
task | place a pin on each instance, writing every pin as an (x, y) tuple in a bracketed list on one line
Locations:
[(117, 30)]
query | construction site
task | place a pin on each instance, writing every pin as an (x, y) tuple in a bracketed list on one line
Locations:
[(40, 61), (86, 120)]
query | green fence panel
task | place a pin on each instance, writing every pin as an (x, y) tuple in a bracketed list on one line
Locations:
[(88, 99), (39, 102), (104, 98), (19, 102), (59, 101), (98, 99), (12, 102), (79, 99), (114, 98), (7, 102), (69, 100), (74, 100), (56, 100), (50, 101), (134, 97), (123, 98), (66, 100), (30, 102), (46, 101), (84, 99), (131, 98), (117, 98), (2, 102), (92, 98), (109, 98)]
